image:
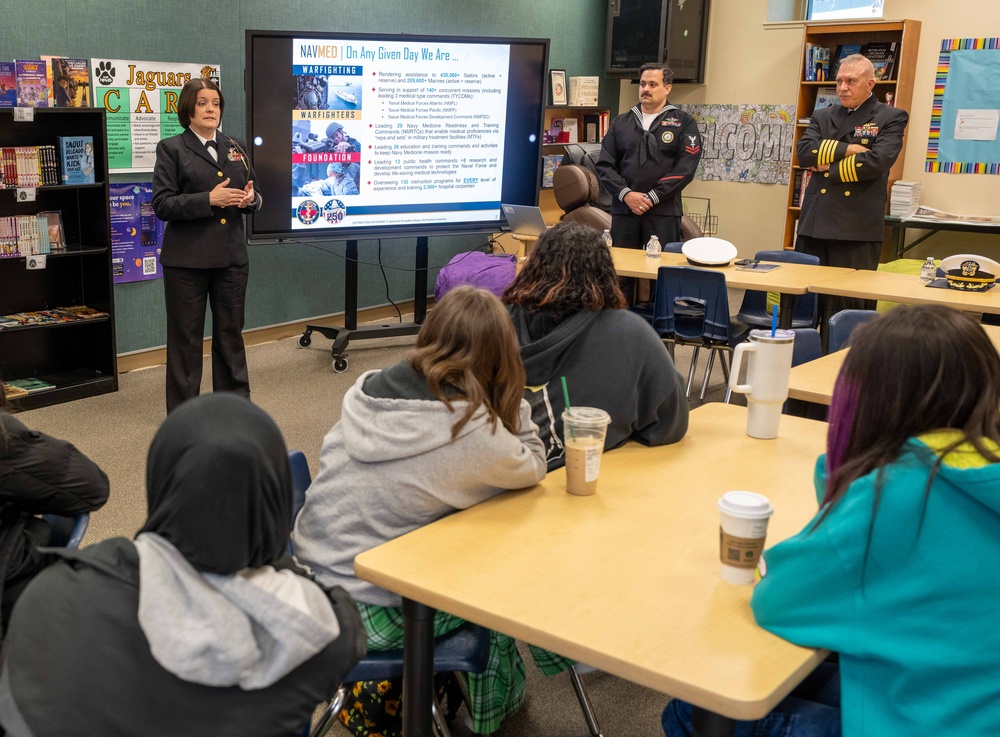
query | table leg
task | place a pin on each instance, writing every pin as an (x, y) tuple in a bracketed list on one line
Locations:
[(786, 311), (418, 668), (709, 724)]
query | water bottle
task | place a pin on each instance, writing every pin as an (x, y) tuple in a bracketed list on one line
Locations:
[(607, 237), (928, 272), (653, 248)]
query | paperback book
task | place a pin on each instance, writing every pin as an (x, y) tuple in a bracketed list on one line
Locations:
[(843, 51), (882, 56), (8, 84), (70, 82), (76, 154), (30, 386), (32, 83)]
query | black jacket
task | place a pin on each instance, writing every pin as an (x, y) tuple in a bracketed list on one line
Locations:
[(40, 475), (847, 203), (658, 163), (199, 236)]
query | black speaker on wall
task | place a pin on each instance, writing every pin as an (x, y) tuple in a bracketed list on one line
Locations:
[(674, 32)]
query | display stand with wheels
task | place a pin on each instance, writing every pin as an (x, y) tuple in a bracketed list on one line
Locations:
[(341, 336)]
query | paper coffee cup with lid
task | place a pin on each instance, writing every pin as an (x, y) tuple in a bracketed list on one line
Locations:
[(742, 530)]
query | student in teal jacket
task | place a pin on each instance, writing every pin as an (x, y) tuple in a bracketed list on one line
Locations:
[(898, 572)]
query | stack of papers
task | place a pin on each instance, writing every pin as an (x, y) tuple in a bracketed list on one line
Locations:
[(905, 198)]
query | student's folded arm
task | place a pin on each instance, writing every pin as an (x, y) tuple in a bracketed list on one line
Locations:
[(808, 596)]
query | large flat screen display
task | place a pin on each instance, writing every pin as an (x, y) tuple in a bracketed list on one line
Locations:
[(360, 135)]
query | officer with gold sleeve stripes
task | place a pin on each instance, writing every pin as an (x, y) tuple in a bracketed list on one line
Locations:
[(850, 148)]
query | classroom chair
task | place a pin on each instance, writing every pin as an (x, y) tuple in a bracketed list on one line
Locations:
[(754, 312), (67, 532), (691, 307), (843, 324)]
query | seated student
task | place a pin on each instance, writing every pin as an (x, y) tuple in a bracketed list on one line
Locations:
[(568, 311), (438, 432), (38, 475), (190, 629), (897, 572)]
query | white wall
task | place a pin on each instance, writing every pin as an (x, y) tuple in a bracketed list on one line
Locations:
[(750, 63)]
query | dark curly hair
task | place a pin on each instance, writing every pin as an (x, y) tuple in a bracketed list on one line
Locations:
[(569, 270)]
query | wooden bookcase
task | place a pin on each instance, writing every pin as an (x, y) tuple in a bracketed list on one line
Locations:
[(580, 115), (78, 357), (906, 35)]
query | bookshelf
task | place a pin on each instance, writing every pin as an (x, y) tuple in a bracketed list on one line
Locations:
[(582, 115), (904, 33), (77, 357)]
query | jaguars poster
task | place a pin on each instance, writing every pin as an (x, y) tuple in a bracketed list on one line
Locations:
[(140, 98)]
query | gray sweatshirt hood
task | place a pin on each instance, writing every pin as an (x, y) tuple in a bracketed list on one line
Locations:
[(378, 429), (247, 630)]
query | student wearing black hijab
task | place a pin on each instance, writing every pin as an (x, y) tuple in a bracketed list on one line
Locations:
[(192, 628)]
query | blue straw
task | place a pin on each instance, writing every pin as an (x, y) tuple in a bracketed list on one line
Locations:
[(774, 321)]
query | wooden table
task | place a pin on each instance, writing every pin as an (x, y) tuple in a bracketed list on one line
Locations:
[(814, 381), (626, 580), (790, 280), (904, 288), (899, 226)]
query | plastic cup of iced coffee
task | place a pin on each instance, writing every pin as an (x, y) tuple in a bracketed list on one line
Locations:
[(742, 530), (584, 429)]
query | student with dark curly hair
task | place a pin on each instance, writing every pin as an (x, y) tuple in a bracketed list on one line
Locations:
[(568, 311)]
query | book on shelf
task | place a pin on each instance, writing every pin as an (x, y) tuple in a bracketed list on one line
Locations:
[(797, 188), (806, 176), (882, 55), (826, 97), (821, 63), (583, 91), (76, 154), (8, 84), (32, 83), (70, 81), (572, 127), (28, 386), (843, 51), (13, 392), (605, 121), (54, 228), (81, 312), (549, 166), (592, 128), (28, 166)]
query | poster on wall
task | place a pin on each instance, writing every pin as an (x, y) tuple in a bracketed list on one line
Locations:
[(140, 98), (964, 119), (136, 233), (745, 143)]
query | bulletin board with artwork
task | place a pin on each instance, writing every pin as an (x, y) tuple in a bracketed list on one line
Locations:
[(966, 108)]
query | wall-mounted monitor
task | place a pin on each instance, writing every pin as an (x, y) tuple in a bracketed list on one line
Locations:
[(369, 135)]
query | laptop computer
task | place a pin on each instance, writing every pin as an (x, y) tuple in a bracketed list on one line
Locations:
[(524, 219)]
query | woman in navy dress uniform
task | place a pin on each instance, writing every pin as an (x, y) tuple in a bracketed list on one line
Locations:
[(202, 185)]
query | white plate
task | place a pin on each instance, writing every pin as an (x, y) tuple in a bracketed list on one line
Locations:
[(709, 251), (955, 262)]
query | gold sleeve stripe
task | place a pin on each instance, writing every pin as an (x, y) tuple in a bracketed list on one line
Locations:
[(827, 150), (847, 171)]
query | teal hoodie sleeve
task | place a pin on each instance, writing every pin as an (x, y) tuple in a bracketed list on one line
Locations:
[(809, 593)]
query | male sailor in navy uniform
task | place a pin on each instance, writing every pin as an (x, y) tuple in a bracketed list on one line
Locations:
[(202, 185), (648, 156), (850, 148)]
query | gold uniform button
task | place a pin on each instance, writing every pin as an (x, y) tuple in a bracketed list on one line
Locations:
[(815, 150), (822, 191), (219, 173), (827, 175), (223, 221), (847, 194)]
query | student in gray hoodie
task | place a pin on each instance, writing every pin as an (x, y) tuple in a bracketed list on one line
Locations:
[(438, 432), (194, 628), (568, 311)]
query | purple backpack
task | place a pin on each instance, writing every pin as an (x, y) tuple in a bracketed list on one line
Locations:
[(493, 273)]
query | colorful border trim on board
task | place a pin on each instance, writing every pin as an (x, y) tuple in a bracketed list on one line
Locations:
[(934, 136)]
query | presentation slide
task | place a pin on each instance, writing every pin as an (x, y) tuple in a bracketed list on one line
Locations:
[(413, 134)]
